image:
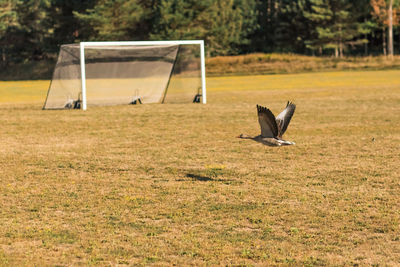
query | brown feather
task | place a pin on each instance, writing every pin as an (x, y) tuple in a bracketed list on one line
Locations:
[(267, 122)]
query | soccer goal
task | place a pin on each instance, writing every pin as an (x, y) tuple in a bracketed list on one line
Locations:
[(115, 73)]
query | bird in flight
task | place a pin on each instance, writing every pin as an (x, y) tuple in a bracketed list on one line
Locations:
[(273, 128)]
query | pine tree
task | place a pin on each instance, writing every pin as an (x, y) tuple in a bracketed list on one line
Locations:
[(361, 9), (229, 25), (67, 27), (292, 27), (115, 20), (266, 26), (179, 19), (8, 24), (35, 29), (8, 16), (225, 24), (337, 27)]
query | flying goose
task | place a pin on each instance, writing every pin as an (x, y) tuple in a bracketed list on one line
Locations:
[(273, 128)]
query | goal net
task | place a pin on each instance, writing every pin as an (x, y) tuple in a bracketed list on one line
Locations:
[(114, 73)]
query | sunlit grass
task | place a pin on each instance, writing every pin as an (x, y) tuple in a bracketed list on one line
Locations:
[(170, 184), (35, 91), (23, 91), (306, 81)]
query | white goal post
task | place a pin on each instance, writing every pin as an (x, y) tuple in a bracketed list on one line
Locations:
[(117, 72), (187, 42)]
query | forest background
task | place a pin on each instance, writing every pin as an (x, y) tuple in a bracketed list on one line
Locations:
[(31, 31)]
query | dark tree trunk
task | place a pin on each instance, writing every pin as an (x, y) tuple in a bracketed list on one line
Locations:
[(384, 41), (3, 57)]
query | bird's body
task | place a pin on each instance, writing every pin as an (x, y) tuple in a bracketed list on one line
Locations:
[(273, 128)]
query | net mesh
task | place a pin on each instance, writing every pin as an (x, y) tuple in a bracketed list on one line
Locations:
[(122, 74)]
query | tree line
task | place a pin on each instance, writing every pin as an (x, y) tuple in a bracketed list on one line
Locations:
[(34, 29)]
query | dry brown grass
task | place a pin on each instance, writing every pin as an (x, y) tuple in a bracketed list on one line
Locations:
[(170, 184), (292, 63)]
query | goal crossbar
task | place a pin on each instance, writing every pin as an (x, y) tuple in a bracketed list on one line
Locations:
[(142, 43)]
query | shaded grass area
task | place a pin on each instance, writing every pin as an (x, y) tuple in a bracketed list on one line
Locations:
[(250, 64), (33, 70), (170, 184)]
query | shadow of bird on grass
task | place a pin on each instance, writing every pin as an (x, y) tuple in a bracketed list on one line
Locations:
[(199, 177)]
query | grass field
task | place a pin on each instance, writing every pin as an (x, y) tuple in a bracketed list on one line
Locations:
[(171, 184)]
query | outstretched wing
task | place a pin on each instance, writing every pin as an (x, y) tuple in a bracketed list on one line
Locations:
[(283, 119), (267, 122)]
